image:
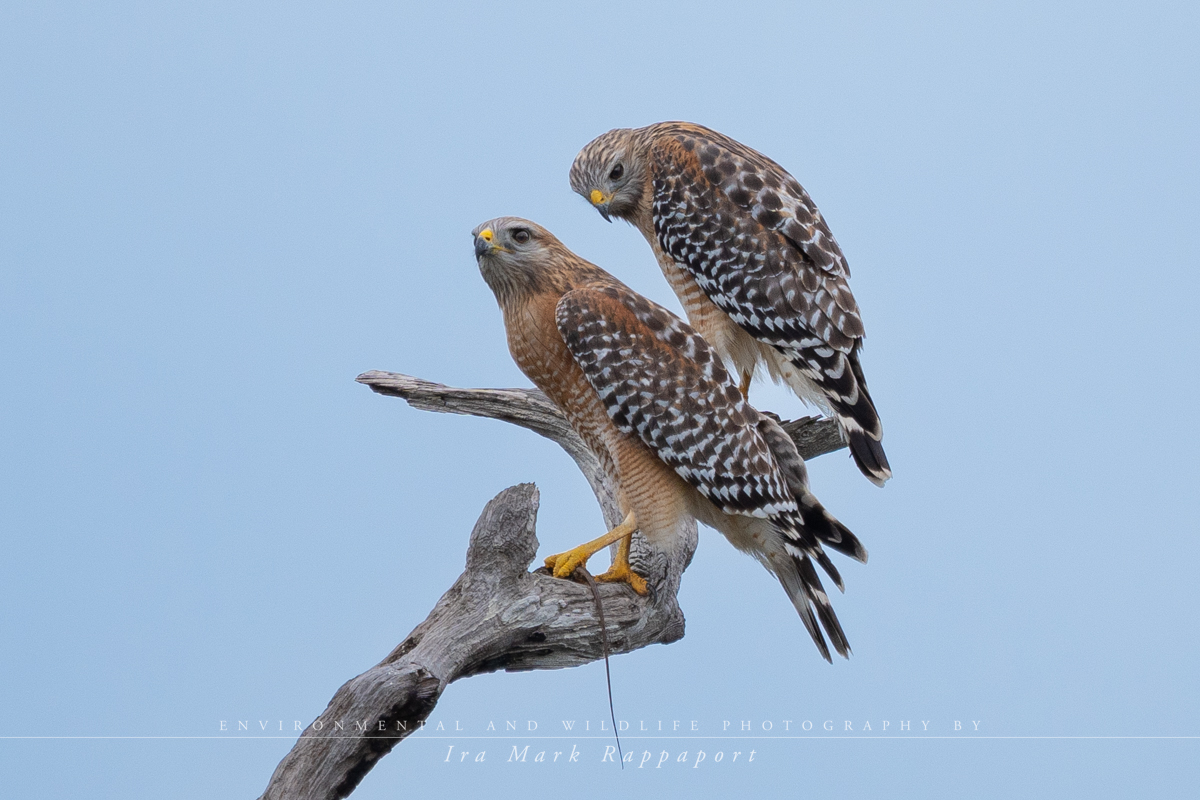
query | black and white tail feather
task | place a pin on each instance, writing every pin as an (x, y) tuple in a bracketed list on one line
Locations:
[(863, 429), (838, 377), (800, 579), (804, 531)]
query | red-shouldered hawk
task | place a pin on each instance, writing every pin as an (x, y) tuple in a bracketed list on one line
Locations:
[(652, 399), (751, 260)]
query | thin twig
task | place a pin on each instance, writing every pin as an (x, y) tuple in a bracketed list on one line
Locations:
[(581, 571)]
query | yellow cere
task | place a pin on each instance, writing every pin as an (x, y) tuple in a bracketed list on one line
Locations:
[(486, 234), (596, 196)]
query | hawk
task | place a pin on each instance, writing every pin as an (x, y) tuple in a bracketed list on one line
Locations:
[(751, 260), (653, 401)]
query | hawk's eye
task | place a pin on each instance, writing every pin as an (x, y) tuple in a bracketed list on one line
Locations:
[(520, 236), (616, 173)]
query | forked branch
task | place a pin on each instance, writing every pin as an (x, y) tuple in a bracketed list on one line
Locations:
[(497, 615)]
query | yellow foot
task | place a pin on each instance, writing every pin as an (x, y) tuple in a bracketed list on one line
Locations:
[(744, 388), (563, 564), (621, 573)]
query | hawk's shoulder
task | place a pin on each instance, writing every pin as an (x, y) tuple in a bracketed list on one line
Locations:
[(752, 238), (659, 380)]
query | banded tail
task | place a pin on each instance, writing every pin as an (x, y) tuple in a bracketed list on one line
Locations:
[(864, 430), (837, 381), (800, 579)]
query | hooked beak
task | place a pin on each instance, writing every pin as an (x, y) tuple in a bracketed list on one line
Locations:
[(601, 201), (485, 244)]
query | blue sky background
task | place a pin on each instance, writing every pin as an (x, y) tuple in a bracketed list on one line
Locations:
[(214, 217)]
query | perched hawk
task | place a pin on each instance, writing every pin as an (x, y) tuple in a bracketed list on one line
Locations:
[(652, 399), (750, 258)]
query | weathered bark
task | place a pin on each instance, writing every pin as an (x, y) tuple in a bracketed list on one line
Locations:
[(497, 615)]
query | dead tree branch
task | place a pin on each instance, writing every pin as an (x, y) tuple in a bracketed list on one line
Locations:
[(497, 615)]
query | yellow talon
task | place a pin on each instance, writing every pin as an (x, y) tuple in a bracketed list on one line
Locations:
[(621, 573), (563, 564), (744, 388)]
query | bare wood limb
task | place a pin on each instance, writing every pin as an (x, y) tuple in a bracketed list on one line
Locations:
[(529, 408), (497, 615)]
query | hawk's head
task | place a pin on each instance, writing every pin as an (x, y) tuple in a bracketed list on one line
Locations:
[(516, 256), (610, 173)]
